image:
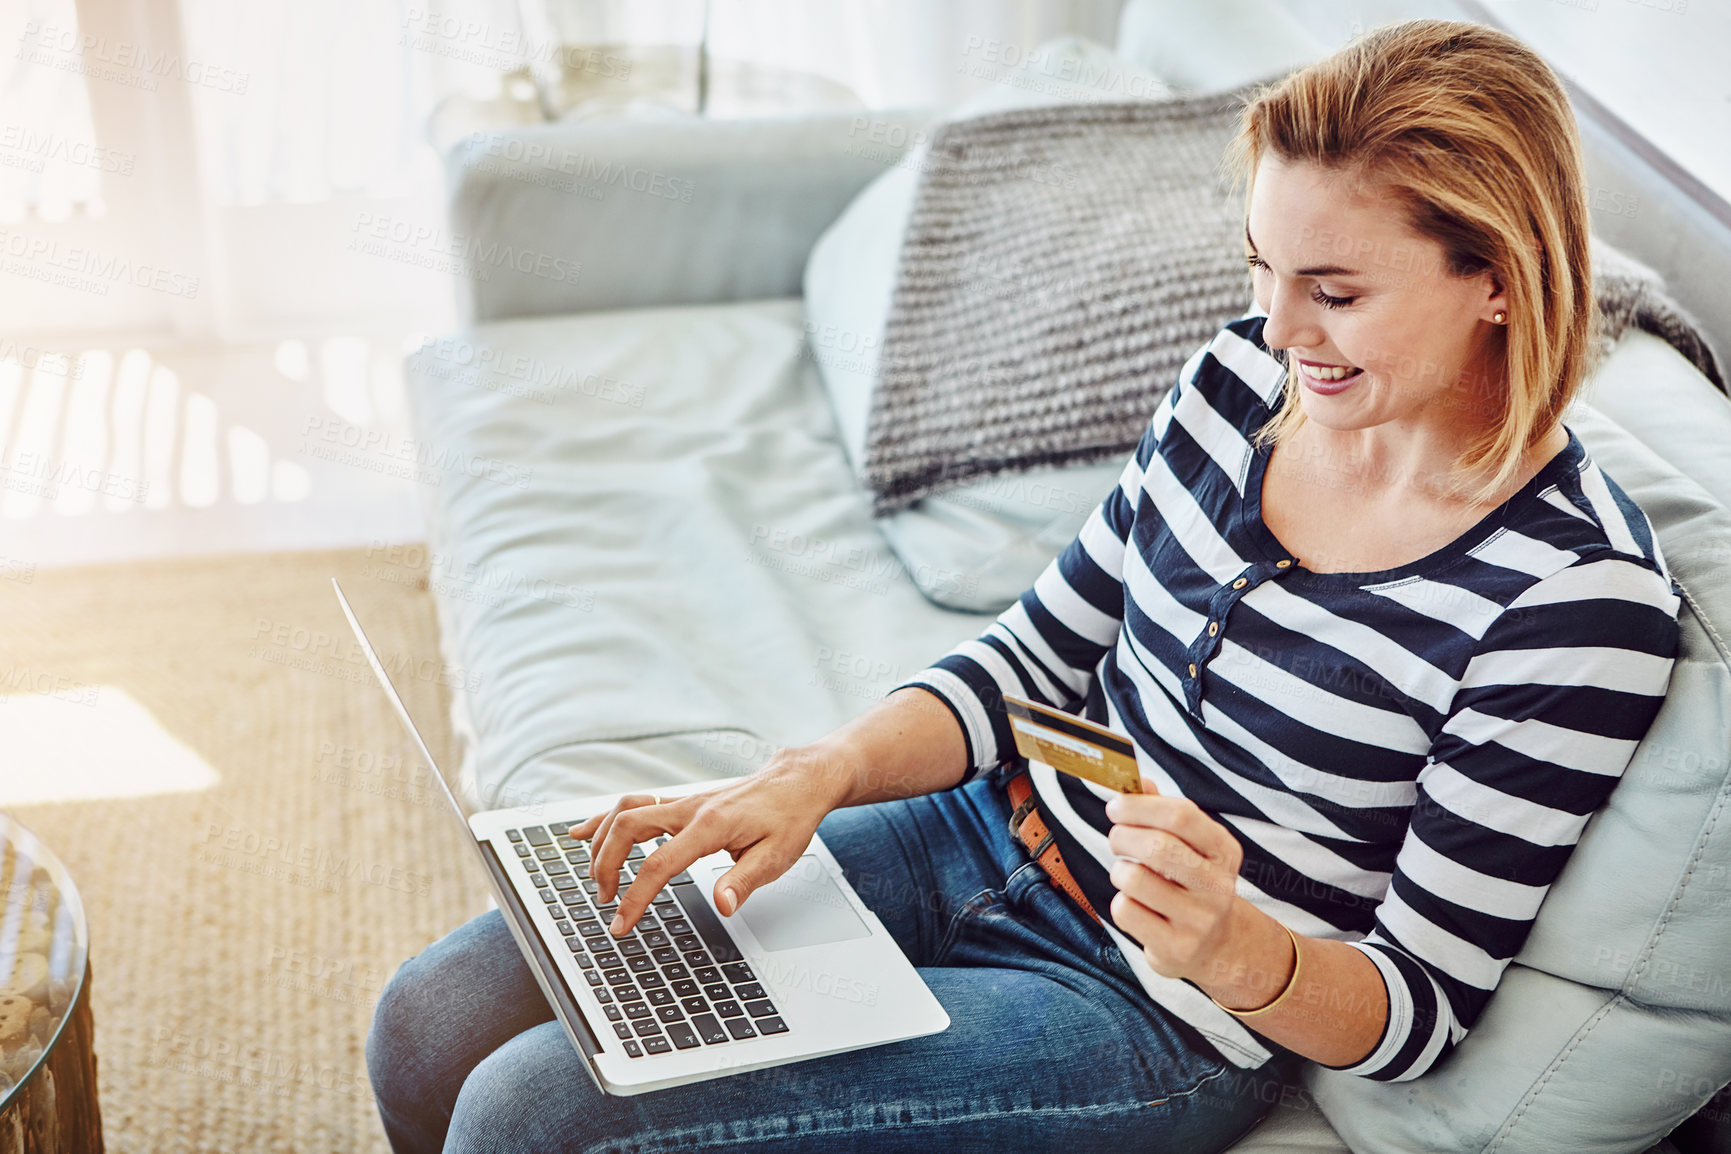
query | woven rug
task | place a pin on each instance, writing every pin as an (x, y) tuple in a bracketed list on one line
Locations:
[(244, 922)]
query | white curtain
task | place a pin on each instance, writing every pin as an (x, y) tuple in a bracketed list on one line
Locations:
[(50, 160), (338, 91)]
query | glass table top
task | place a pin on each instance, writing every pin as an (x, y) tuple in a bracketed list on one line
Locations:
[(44, 942)]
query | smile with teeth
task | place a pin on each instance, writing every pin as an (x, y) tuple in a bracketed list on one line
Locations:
[(1328, 372)]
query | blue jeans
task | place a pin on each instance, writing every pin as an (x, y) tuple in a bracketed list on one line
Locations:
[(1052, 1044)]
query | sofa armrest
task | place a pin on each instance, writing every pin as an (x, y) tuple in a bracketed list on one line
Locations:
[(566, 218)]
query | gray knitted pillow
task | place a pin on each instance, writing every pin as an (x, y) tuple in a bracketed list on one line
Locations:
[(1059, 267)]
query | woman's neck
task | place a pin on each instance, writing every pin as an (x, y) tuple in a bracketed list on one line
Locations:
[(1401, 466)]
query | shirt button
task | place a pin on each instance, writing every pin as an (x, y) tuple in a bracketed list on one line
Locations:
[(1213, 628), (1241, 583), (1193, 669), (1281, 564)]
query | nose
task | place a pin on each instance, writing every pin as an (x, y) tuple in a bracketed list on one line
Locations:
[(1291, 319)]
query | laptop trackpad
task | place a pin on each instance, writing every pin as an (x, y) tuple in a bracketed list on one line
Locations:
[(802, 907)]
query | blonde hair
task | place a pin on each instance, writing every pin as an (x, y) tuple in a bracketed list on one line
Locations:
[(1471, 133)]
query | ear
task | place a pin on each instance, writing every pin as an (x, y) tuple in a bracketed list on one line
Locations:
[(1495, 300)]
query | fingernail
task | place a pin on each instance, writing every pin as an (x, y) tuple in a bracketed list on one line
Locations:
[(729, 899), (618, 925)]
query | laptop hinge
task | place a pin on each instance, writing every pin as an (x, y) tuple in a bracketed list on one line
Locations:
[(555, 977)]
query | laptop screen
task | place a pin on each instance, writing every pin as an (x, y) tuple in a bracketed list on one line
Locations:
[(457, 806)]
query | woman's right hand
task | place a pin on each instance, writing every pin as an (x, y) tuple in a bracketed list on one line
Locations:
[(908, 744), (764, 821)]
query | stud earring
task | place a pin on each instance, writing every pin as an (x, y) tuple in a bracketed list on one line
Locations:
[(1499, 316)]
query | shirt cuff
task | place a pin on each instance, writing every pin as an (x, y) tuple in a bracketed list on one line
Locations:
[(969, 713)]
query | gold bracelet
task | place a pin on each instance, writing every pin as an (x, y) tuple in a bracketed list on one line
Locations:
[(1291, 983)]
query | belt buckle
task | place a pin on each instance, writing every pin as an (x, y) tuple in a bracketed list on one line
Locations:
[(1017, 818)]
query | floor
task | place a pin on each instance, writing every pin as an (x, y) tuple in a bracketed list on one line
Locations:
[(111, 451), (256, 843)]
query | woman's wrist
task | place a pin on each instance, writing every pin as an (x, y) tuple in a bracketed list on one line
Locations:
[(830, 769), (1280, 995), (906, 745), (1318, 997), (1257, 965)]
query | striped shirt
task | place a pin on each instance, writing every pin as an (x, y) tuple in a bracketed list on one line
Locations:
[(1407, 756)]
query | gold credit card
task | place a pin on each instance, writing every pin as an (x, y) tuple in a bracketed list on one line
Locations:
[(1076, 746)]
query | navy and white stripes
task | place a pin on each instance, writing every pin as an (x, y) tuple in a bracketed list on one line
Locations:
[(1407, 756)]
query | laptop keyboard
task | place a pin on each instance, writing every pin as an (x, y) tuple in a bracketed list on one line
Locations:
[(676, 981)]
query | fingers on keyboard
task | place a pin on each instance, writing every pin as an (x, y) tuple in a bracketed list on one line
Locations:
[(676, 981)]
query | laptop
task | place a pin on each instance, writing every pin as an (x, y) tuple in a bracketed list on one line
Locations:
[(800, 970)]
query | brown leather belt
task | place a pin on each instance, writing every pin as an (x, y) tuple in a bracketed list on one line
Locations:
[(1028, 827)]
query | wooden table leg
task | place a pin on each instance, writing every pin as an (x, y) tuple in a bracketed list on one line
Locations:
[(57, 1112)]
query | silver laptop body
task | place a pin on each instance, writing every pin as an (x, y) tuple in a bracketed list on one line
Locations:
[(831, 978)]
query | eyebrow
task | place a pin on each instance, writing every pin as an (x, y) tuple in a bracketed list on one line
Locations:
[(1315, 270)]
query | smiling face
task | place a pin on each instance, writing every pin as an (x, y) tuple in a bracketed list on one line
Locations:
[(1379, 334)]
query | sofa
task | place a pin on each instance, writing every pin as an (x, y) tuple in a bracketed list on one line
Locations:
[(680, 573)]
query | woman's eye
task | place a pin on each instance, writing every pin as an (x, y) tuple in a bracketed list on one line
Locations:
[(1329, 302), (1257, 264)]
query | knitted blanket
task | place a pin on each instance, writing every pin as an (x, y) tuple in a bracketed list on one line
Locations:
[(1628, 294), (1059, 267)]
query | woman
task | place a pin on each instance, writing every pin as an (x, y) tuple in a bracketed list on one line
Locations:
[(1382, 634)]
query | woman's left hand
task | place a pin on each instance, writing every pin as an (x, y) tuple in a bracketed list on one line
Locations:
[(1178, 897)]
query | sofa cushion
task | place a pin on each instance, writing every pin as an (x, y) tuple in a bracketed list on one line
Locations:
[(683, 556), (980, 545), (1648, 388), (1217, 46), (1295, 1125)]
